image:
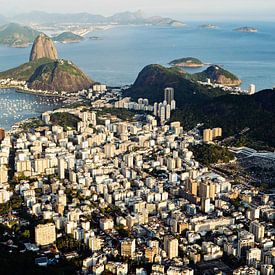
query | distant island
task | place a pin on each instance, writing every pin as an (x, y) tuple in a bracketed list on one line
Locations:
[(68, 37), (187, 62), (208, 26), (246, 29), (95, 38), (15, 35)]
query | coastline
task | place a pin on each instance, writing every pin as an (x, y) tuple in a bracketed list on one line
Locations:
[(22, 90)]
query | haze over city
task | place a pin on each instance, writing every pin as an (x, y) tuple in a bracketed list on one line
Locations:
[(182, 9)]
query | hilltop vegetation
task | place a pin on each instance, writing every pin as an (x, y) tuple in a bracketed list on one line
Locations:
[(218, 75), (213, 107), (60, 75), (211, 154), (152, 80), (68, 37), (15, 35), (235, 113), (187, 62), (24, 71), (48, 73), (66, 120)]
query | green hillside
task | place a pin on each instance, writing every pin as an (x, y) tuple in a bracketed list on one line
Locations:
[(51, 75), (60, 75), (153, 79), (24, 71), (217, 75), (68, 37), (213, 107), (186, 62), (15, 35), (235, 113)]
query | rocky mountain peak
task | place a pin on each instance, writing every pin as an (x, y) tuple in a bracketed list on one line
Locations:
[(43, 47)]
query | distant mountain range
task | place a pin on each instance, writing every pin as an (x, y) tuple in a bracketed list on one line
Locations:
[(124, 18), (15, 35)]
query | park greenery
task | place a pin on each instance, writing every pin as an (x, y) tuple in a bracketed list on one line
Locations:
[(211, 154)]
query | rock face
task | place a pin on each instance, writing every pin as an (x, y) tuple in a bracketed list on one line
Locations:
[(43, 47), (219, 75), (46, 72)]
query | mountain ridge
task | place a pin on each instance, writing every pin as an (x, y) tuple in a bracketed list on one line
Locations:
[(16, 35), (213, 107), (126, 17)]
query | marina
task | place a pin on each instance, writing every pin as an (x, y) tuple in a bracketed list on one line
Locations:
[(16, 106)]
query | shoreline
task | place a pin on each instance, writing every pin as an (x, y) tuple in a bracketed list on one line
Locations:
[(24, 91)]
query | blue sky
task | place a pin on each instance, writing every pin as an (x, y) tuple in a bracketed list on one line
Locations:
[(181, 9)]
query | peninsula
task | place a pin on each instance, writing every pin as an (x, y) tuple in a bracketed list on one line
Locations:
[(45, 72)]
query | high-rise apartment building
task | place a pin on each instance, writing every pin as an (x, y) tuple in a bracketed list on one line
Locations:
[(109, 150), (128, 248), (251, 89), (216, 132), (45, 234), (253, 256), (169, 95), (257, 229), (61, 168), (171, 246), (192, 187), (207, 135), (246, 240)]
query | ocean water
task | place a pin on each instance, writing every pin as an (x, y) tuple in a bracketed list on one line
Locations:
[(121, 53), (17, 106)]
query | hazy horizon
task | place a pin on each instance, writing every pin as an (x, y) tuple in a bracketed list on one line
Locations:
[(214, 10)]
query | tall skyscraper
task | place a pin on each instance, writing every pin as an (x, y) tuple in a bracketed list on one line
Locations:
[(173, 104), (61, 168), (169, 95)]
